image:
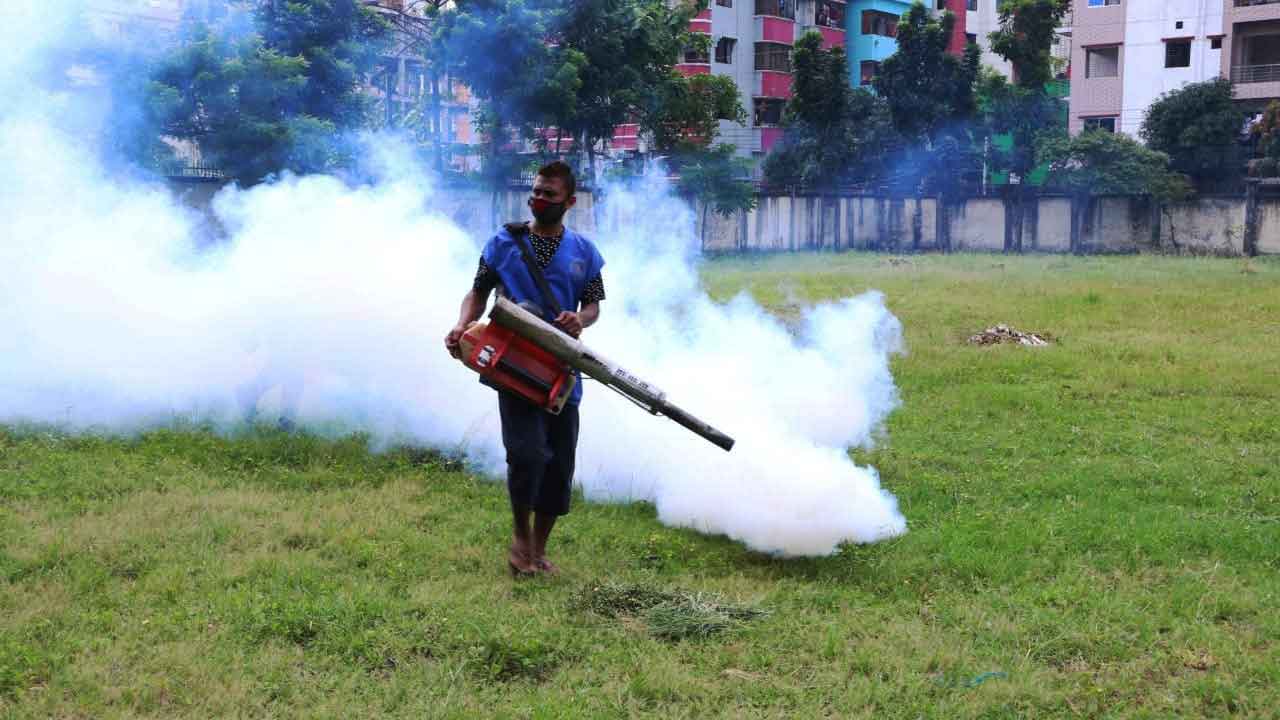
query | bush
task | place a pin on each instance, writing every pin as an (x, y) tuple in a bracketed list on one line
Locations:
[(1267, 167)]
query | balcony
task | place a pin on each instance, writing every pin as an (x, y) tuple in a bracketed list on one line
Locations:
[(1255, 73), (777, 8)]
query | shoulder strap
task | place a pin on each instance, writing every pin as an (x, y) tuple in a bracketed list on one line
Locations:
[(520, 232)]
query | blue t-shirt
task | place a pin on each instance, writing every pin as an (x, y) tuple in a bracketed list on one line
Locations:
[(575, 263)]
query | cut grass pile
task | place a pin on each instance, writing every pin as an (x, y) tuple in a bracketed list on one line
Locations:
[(1094, 531), (669, 615)]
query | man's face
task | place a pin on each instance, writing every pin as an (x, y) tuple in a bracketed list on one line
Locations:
[(551, 190)]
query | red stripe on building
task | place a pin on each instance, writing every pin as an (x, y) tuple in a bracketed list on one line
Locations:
[(958, 40), (775, 84), (777, 30), (769, 137), (831, 37)]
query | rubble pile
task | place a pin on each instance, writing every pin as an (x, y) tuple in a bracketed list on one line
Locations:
[(1005, 334)]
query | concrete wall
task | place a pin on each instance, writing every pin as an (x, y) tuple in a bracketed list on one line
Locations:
[(1214, 225), (977, 224), (1269, 227), (784, 223)]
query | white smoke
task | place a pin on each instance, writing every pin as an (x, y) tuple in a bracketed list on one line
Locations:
[(332, 301)]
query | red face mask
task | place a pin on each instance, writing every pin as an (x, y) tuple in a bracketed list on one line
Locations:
[(547, 212)]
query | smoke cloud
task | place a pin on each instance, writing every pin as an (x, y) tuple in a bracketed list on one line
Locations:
[(330, 302)]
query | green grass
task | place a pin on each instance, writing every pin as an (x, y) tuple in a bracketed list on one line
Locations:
[(1094, 532)]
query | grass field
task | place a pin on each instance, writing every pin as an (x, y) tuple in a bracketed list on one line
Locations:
[(1094, 532)]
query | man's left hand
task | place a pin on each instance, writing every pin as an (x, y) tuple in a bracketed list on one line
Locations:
[(570, 323)]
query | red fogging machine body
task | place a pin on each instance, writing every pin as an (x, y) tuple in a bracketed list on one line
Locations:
[(520, 352), (508, 361)]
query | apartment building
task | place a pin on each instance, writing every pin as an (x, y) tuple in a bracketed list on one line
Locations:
[(1251, 50), (403, 87), (873, 31), (125, 20), (751, 42), (1126, 53)]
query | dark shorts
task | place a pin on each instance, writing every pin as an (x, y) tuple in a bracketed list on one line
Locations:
[(540, 454)]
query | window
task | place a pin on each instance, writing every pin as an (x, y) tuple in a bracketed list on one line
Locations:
[(696, 56), (1103, 3), (867, 71), (875, 22), (971, 5), (768, 111), (828, 13), (773, 56), (1177, 53), (780, 8), (1178, 25), (1102, 62), (971, 39), (724, 50), (415, 79), (1215, 43), (724, 3), (1106, 124)]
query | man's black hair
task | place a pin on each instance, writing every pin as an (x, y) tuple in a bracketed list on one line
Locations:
[(560, 170)]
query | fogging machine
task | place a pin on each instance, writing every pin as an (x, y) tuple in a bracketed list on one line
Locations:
[(519, 352)]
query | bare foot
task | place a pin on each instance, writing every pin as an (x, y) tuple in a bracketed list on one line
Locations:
[(519, 561), (546, 566)]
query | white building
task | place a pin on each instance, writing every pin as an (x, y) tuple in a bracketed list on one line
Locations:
[(1129, 52)]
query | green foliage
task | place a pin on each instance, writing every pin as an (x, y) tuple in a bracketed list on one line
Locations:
[(21, 667), (1198, 127), (506, 659), (500, 50), (930, 96), (1267, 167), (929, 91), (834, 133), (718, 180), (1028, 115), (1025, 110), (278, 96), (684, 113), (1102, 163), (1267, 131), (629, 49), (1026, 33)]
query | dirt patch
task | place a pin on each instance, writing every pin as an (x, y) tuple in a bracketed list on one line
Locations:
[(1000, 334)]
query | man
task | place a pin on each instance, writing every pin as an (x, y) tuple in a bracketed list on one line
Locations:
[(540, 446)]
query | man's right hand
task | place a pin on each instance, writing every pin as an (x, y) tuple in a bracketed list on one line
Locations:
[(452, 341)]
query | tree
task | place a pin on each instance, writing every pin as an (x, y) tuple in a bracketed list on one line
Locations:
[(1024, 114), (930, 94), (1027, 28), (1097, 162), (500, 49), (1023, 110), (718, 180), (683, 114), (629, 50), (834, 132), (270, 87), (1198, 126), (416, 32)]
